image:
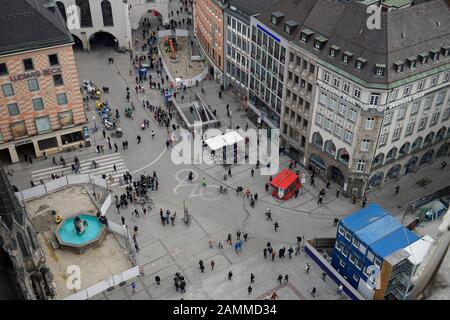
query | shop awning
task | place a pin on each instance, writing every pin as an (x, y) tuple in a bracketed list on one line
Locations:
[(284, 179)]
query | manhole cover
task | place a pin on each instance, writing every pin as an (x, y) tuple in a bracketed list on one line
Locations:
[(423, 182)]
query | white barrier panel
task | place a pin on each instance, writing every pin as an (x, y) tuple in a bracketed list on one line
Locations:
[(164, 33), (78, 179), (99, 181), (182, 33), (56, 184), (19, 196), (37, 191), (105, 284), (106, 205)]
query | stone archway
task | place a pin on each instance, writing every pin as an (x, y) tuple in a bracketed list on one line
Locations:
[(443, 150), (317, 164), (410, 165), (375, 180), (102, 39), (78, 44), (393, 172), (426, 158)]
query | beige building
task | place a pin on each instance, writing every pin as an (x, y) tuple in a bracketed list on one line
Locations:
[(41, 104)]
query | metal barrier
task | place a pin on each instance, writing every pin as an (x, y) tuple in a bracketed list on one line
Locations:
[(325, 266)]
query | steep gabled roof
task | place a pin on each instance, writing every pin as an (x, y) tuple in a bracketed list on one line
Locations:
[(29, 24)]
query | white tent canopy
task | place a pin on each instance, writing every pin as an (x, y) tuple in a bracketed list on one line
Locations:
[(227, 139)]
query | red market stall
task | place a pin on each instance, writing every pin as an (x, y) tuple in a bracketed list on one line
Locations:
[(285, 184)]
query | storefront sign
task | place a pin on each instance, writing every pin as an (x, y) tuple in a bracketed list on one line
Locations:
[(22, 142), (36, 74), (405, 100), (337, 93)]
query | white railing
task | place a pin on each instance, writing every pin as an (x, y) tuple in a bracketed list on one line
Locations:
[(109, 282)]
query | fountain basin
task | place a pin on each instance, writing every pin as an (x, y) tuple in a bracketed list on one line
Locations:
[(68, 238)]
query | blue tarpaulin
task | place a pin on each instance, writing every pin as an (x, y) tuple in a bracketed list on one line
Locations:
[(363, 217)]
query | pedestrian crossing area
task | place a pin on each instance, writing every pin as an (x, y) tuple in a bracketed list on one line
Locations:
[(105, 166)]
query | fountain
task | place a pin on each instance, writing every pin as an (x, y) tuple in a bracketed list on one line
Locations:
[(80, 232)]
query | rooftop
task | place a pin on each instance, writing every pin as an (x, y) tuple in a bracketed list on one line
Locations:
[(252, 7), (363, 217), (377, 230), (398, 239), (31, 24), (403, 33)]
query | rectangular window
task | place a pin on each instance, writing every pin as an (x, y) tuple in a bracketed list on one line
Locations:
[(407, 90), (336, 82), (342, 109), (446, 114), (346, 87), (428, 102), (392, 95), (382, 139), (357, 92), (3, 69), (305, 64), (326, 77), (415, 107), (61, 98), (401, 113), (396, 134), (13, 109), (440, 97), (329, 125), (434, 118), (8, 89), (338, 246), (423, 123), (53, 59), (333, 103), (370, 122), (345, 251), (319, 119), (38, 104), (338, 130), (358, 265), (355, 277), (361, 165), (355, 242), (409, 128), (433, 81), (352, 258), (348, 236), (420, 85), (370, 256), (365, 145), (445, 79), (352, 114), (377, 262), (348, 136), (341, 263), (387, 118), (374, 99), (311, 68), (341, 230), (28, 64), (43, 124), (33, 84), (323, 99)]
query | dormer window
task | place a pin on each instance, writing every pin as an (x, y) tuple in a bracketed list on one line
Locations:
[(360, 63), (412, 62), (276, 17), (334, 50), (434, 54), (398, 66), (379, 69), (445, 51), (290, 26), (347, 56), (423, 57), (306, 34), (320, 42)]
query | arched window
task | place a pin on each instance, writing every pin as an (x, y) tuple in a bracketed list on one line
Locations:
[(428, 139), (440, 135), (416, 144), (317, 140), (107, 14), (378, 160), (85, 13), (62, 10), (392, 154), (405, 148), (32, 238), (22, 245), (330, 147)]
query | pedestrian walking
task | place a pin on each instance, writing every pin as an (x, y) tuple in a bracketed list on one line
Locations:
[(115, 147), (307, 267), (245, 236), (265, 253), (104, 134), (153, 134), (313, 291), (238, 235), (229, 239), (324, 275), (252, 172), (230, 275), (133, 286), (397, 189), (229, 172), (157, 280), (286, 278), (212, 264), (340, 288), (280, 278), (276, 226), (139, 138), (204, 182), (267, 186), (114, 168), (335, 222), (249, 289), (337, 193), (290, 251), (252, 278), (273, 255), (364, 202), (268, 215), (210, 242), (320, 200), (328, 184)]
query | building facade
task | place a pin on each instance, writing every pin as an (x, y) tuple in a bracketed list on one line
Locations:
[(378, 100), (23, 270), (209, 30), (41, 104), (113, 17), (376, 254)]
